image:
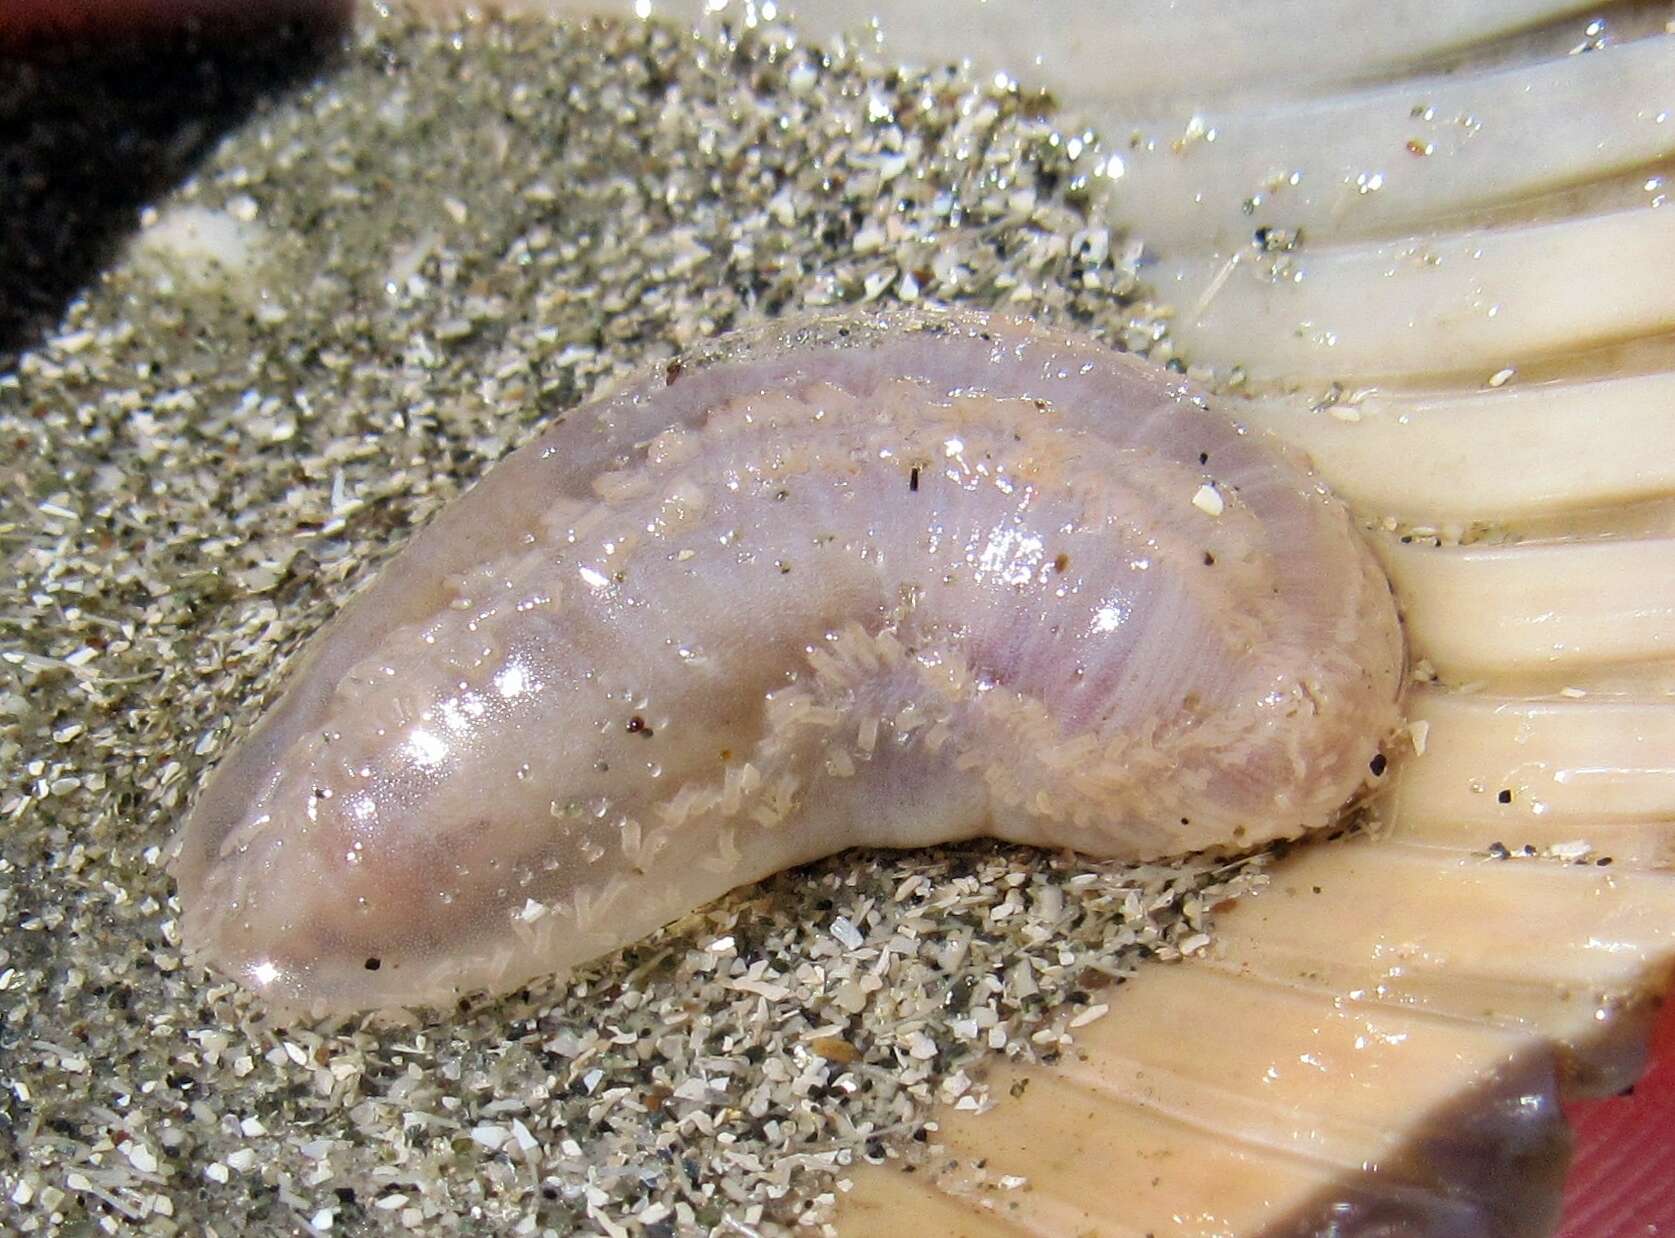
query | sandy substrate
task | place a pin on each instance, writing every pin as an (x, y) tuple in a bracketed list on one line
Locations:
[(216, 423)]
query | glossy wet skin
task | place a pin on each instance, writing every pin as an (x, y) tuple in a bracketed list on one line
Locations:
[(890, 582)]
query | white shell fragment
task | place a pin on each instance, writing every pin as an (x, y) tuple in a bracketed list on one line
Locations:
[(884, 581)]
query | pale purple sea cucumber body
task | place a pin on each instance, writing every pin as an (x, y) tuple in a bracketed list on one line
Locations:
[(886, 580)]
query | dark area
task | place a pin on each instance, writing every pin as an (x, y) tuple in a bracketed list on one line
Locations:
[(1490, 1164), (92, 131)]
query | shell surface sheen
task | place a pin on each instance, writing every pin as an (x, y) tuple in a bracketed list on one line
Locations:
[(887, 581)]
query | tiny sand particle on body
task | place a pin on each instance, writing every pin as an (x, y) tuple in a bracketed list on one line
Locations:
[(369, 291)]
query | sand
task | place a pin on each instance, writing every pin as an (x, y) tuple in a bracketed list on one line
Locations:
[(266, 310)]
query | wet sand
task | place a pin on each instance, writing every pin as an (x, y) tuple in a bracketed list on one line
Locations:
[(270, 324)]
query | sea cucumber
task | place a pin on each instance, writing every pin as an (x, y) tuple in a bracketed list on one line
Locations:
[(885, 580)]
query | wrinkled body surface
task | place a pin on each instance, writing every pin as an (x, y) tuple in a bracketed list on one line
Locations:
[(881, 581)]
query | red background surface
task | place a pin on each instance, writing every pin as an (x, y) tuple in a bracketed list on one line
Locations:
[(22, 20), (1623, 1180)]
